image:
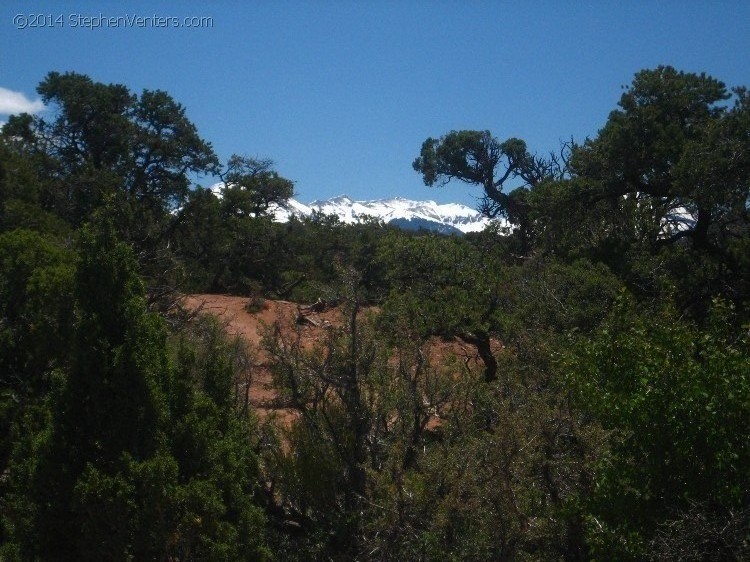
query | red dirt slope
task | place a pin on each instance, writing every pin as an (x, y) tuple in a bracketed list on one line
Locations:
[(250, 326)]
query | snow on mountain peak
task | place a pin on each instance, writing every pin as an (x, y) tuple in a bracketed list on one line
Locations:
[(405, 213), (447, 218)]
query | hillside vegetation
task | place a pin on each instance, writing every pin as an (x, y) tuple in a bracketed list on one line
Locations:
[(575, 386)]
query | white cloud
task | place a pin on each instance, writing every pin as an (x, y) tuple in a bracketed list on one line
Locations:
[(15, 102)]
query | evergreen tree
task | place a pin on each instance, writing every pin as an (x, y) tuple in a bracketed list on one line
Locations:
[(137, 460), (103, 139)]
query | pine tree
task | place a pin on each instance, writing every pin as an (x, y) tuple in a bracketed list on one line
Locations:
[(140, 458)]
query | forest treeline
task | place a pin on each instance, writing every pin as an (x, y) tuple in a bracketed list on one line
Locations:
[(612, 423)]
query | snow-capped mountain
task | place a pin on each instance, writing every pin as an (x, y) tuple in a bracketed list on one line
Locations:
[(447, 218), (450, 218)]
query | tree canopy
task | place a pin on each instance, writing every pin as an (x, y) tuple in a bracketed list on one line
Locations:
[(101, 138), (680, 151)]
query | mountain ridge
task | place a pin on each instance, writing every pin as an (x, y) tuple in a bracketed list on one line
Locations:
[(447, 218), (408, 214)]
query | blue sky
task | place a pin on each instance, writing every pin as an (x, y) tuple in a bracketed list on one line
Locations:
[(341, 94)]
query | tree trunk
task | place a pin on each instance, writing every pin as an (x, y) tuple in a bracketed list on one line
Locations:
[(481, 341)]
